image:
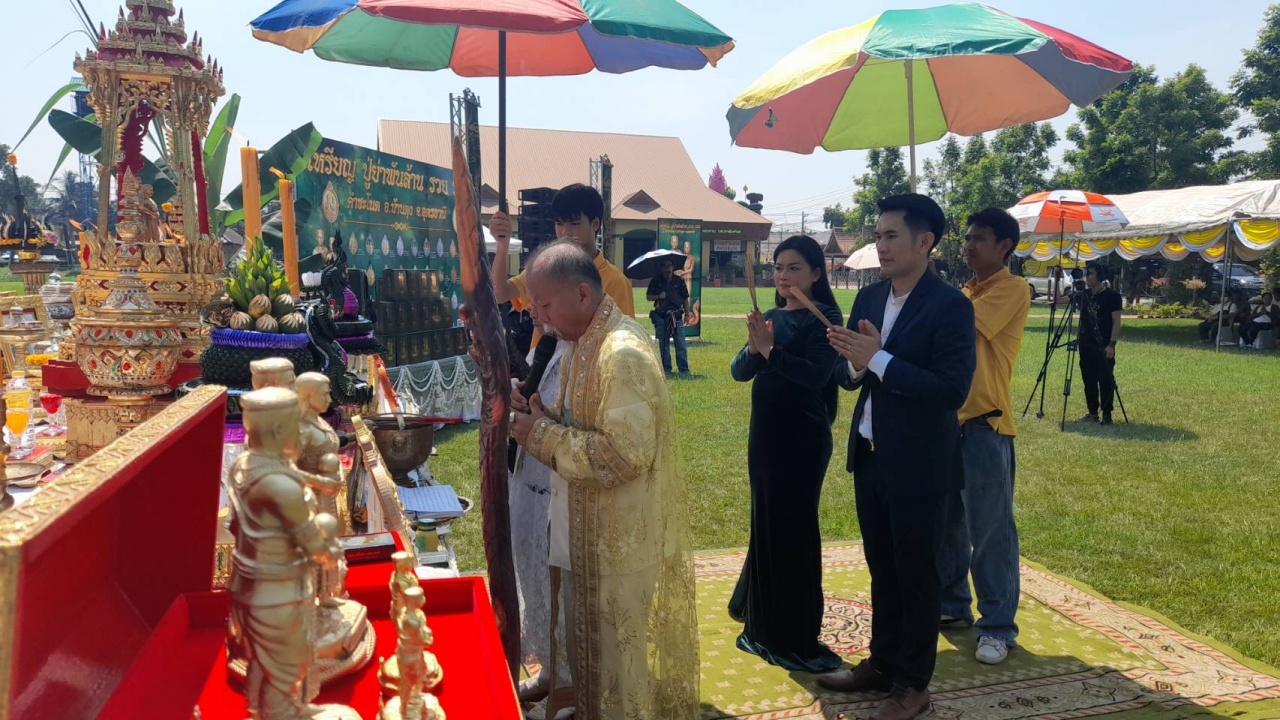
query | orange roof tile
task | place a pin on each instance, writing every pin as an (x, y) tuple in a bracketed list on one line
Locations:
[(658, 167)]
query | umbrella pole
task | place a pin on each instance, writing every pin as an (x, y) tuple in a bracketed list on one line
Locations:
[(911, 121), (502, 121)]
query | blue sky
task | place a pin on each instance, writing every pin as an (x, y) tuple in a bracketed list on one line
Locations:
[(282, 90)]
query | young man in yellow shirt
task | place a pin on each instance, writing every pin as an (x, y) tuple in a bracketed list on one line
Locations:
[(578, 211), (979, 535)]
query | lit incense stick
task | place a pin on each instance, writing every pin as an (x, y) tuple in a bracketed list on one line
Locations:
[(799, 295), (751, 274)]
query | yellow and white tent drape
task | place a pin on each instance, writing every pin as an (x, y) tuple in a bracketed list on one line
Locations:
[(1176, 223)]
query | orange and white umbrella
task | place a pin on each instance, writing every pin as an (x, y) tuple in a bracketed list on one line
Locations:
[(1067, 211)]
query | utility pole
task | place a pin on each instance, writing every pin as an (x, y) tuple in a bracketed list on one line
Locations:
[(802, 230)]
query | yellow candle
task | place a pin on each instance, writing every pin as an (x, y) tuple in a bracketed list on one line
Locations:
[(251, 194), (290, 228)]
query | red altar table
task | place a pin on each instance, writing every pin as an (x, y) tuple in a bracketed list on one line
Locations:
[(105, 602)]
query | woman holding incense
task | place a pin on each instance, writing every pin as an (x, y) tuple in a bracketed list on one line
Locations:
[(793, 403)]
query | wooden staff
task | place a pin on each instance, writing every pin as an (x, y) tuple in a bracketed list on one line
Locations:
[(798, 294)]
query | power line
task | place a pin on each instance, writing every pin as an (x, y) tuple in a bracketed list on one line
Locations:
[(811, 199)]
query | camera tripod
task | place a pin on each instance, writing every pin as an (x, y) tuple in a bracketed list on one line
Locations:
[(1054, 340)]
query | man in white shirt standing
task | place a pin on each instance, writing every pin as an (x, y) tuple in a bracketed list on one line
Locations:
[(910, 351)]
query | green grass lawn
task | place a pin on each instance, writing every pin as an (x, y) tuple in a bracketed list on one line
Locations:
[(1176, 511)]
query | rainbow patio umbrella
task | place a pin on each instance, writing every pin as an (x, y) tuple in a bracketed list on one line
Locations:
[(470, 37), (910, 76)]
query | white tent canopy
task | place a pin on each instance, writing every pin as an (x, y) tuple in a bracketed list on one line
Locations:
[(1175, 223), (491, 245)]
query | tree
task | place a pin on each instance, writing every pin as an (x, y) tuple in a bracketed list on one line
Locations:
[(76, 199), (29, 187), (1257, 90), (833, 216), (716, 181), (1152, 135), (885, 176), (730, 193)]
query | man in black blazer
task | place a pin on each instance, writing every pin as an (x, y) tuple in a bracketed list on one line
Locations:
[(910, 351)]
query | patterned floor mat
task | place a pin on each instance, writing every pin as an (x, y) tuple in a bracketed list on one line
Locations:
[(1079, 655)]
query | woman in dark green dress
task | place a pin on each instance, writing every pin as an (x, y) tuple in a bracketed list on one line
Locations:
[(793, 403)]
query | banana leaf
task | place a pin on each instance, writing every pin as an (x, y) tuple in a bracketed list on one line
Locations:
[(290, 155), (273, 227), (86, 138), (216, 145), (57, 97)]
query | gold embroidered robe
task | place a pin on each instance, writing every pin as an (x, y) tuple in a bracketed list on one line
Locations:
[(634, 627)]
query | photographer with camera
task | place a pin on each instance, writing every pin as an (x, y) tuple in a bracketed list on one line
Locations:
[(670, 298), (1100, 309)]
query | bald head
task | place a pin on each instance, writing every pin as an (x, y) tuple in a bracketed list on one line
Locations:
[(564, 263), (565, 289)]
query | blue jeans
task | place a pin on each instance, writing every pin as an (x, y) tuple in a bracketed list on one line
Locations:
[(979, 536), (664, 343)]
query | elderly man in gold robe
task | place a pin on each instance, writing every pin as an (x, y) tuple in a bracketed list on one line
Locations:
[(620, 513)]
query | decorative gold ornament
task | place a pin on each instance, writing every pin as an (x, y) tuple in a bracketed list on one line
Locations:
[(128, 347), (146, 68)]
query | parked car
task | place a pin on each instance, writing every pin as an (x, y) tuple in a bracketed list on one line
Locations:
[(1047, 287), (1243, 279)]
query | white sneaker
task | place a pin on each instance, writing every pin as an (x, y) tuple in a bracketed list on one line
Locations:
[(991, 651), (534, 688), (539, 712)]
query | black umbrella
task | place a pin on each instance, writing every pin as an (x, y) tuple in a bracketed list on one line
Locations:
[(650, 263)]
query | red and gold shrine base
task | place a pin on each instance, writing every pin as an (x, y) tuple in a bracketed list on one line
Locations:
[(183, 663), (68, 380)]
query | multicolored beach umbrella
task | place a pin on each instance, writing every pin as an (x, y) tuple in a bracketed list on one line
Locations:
[(545, 37), (911, 76), (487, 38)]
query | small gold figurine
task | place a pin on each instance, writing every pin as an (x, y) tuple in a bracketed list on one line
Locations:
[(272, 372), (403, 580), (318, 441), (411, 701), (279, 542), (150, 212)]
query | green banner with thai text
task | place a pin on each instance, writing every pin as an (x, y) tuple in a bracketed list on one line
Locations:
[(393, 213)]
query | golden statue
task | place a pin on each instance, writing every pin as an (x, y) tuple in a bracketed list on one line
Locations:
[(150, 212), (413, 636), (279, 543), (318, 439), (272, 372), (403, 580)]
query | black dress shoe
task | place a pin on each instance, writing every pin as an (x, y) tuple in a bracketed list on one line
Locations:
[(860, 678)]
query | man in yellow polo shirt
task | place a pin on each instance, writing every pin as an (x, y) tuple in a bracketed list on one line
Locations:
[(578, 211), (979, 535)]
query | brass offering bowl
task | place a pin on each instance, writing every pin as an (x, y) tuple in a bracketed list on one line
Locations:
[(403, 450)]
